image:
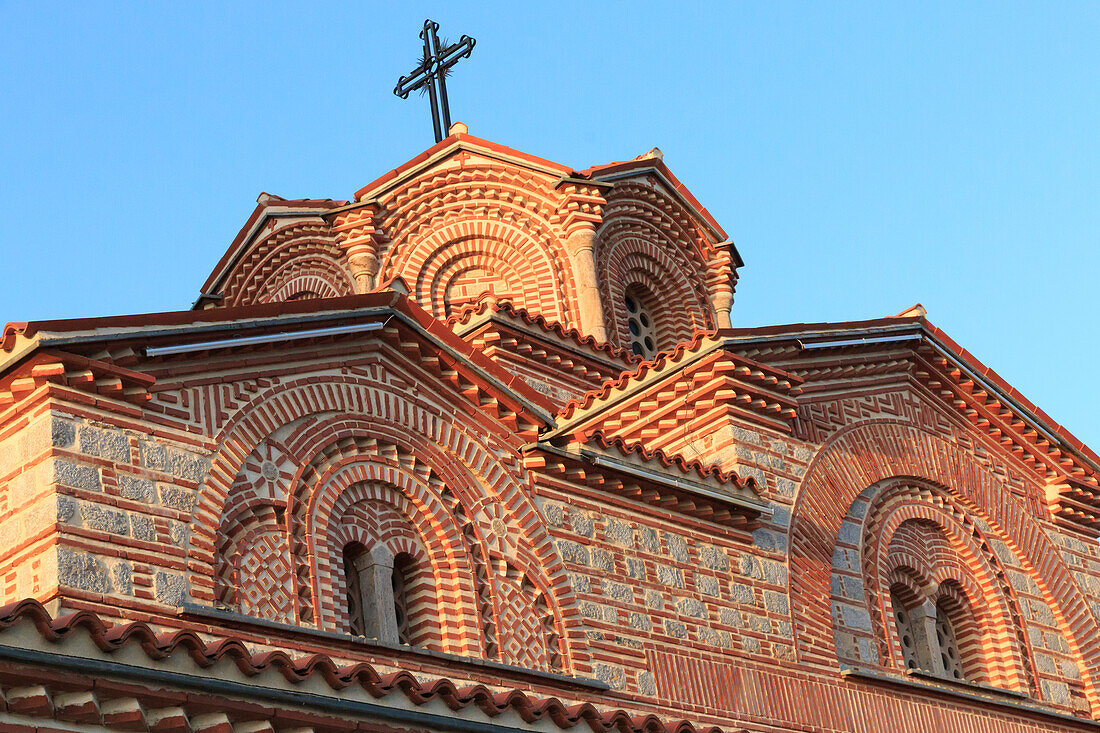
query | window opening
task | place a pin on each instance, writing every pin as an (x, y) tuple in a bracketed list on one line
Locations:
[(639, 321), (352, 554), (949, 647), (402, 571), (903, 620)]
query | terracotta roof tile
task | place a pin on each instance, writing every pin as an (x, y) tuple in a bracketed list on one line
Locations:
[(666, 459), (112, 638), (488, 302)]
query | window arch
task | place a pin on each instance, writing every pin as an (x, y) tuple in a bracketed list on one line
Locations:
[(641, 318)]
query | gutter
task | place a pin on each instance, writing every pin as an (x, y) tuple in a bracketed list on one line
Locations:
[(254, 693)]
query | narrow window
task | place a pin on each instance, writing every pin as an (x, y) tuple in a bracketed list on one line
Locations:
[(639, 322), (353, 553), (948, 645), (906, 632), (403, 567)]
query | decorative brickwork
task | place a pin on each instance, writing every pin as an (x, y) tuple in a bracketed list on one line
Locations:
[(399, 467)]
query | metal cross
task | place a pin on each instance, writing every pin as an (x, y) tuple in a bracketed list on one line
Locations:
[(431, 73)]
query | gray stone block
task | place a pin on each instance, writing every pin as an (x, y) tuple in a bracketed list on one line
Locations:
[(107, 444), (81, 570), (581, 523), (581, 583), (692, 607), (619, 533), (105, 520), (640, 621), (713, 558), (555, 515), (646, 538), (573, 552), (62, 433), (671, 577), (122, 574), (769, 541), (142, 527), (177, 498), (75, 476), (676, 546), (136, 489), (603, 560), (776, 602), (614, 676), (676, 629), (707, 584), (169, 588), (646, 684)]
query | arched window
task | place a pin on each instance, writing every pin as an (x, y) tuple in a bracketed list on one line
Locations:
[(928, 633), (353, 566), (404, 569), (377, 586), (906, 633), (640, 322), (948, 645)]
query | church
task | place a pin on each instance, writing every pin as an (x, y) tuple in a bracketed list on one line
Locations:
[(479, 449)]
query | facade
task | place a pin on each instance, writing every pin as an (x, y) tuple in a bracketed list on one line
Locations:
[(479, 449)]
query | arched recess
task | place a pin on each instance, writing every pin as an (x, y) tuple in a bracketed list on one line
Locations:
[(461, 457), (439, 225), (649, 239), (916, 530), (873, 451), (372, 514), (299, 259), (630, 262)]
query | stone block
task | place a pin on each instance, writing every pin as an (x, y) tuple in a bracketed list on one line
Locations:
[(581, 523), (646, 539), (671, 577), (82, 570), (581, 583), (654, 600), (769, 540), (76, 476), (776, 602), (177, 498), (122, 574), (169, 588), (619, 533), (640, 622), (646, 684), (554, 513), (573, 552), (102, 519), (691, 607), (612, 675), (707, 584), (62, 433), (602, 560), (742, 593), (107, 444), (1055, 692), (618, 592), (635, 568), (750, 645), (676, 546), (137, 489), (676, 629), (713, 558), (142, 527)]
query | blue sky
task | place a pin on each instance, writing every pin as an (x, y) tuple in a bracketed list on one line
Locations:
[(863, 156)]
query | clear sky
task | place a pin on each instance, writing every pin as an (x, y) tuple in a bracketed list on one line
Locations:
[(863, 156)]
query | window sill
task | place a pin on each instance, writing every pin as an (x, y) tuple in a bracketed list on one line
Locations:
[(925, 682), (239, 619)]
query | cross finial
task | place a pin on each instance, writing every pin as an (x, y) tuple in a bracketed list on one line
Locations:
[(431, 72)]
